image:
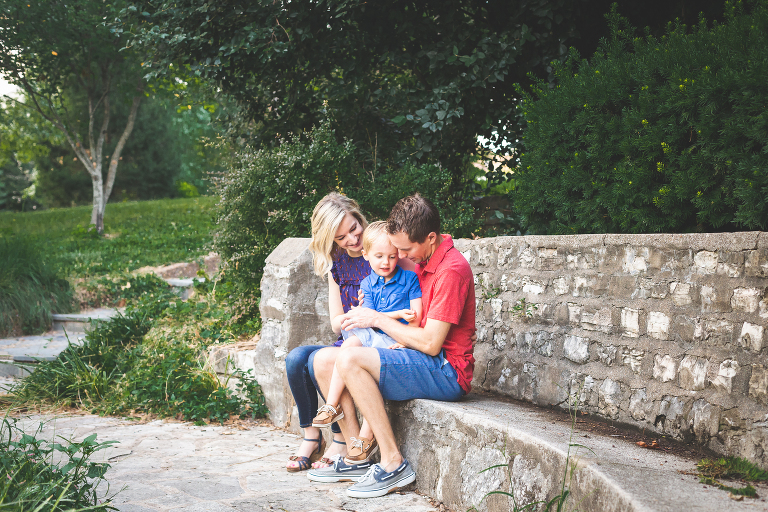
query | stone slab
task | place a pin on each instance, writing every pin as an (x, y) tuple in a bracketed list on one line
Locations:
[(451, 443), (160, 466)]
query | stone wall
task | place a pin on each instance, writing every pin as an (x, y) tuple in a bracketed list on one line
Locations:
[(664, 332)]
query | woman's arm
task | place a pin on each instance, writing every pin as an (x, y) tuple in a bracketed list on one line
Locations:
[(335, 308)]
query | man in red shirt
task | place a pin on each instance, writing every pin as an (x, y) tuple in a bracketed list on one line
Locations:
[(432, 361)]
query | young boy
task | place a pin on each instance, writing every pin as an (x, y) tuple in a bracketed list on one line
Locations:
[(388, 289)]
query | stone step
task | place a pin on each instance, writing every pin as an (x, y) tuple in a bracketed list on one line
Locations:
[(183, 287), (18, 355), (81, 322)]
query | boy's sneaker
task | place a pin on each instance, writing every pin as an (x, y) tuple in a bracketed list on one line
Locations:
[(327, 415), (377, 482), (339, 471)]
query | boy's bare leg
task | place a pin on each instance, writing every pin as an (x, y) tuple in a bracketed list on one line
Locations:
[(324, 363), (360, 368), (336, 387)]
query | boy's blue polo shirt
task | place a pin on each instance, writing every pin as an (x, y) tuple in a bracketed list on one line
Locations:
[(394, 295)]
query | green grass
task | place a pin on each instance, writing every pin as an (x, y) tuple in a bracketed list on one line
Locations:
[(29, 289), (138, 234)]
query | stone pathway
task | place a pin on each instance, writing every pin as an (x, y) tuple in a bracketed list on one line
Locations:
[(162, 465)]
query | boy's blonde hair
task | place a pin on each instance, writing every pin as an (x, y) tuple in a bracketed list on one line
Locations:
[(326, 217), (373, 232)]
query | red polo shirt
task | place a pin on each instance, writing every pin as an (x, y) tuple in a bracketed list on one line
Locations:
[(448, 295)]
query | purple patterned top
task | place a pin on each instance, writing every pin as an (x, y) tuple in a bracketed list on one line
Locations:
[(348, 273)]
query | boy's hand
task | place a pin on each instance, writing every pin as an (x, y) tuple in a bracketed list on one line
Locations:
[(396, 346), (408, 315)]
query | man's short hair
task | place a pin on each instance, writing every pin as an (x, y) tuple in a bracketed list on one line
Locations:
[(415, 216)]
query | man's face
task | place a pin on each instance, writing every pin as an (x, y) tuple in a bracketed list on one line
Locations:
[(414, 251)]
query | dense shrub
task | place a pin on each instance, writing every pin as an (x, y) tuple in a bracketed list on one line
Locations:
[(653, 135), (30, 289), (269, 195)]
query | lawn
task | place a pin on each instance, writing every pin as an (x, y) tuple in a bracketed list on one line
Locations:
[(137, 234)]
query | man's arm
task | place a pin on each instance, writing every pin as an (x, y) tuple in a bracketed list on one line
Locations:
[(428, 339)]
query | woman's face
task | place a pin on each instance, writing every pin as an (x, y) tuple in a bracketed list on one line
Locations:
[(349, 235)]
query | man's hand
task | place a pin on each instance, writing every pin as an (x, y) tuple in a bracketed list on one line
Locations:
[(359, 318), (360, 297)]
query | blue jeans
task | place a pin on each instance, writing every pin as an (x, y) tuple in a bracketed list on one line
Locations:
[(303, 385)]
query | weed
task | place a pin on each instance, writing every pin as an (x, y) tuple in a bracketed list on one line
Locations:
[(33, 482), (524, 309), (711, 471)]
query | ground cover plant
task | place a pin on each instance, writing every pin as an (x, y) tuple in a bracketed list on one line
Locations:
[(711, 471), (653, 134), (31, 479), (29, 288), (151, 360)]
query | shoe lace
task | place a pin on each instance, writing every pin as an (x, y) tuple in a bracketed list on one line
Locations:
[(370, 476), (357, 443), (327, 408)]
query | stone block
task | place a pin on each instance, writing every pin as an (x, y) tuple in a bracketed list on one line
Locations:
[(746, 299), (671, 409), (726, 374), (576, 349), (527, 258), (580, 260), (752, 337), (484, 253), (731, 419), (499, 340), (647, 288), (549, 260), (693, 373), (756, 263), (715, 332), (497, 307), (730, 263), (763, 308), (681, 293), (609, 396), (622, 287), (640, 407), (607, 355), (609, 258), (533, 286), (574, 313), (705, 418), (635, 260), (600, 320), (664, 368), (715, 298), (587, 286), (658, 325), (685, 328), (633, 357), (630, 322), (561, 285), (758, 383), (705, 262)]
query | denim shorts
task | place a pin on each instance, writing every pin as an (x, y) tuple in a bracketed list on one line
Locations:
[(370, 337), (407, 374)]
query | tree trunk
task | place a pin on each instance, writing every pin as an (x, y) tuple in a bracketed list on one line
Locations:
[(115, 157), (97, 214)]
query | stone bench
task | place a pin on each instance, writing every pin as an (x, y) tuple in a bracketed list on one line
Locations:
[(557, 352)]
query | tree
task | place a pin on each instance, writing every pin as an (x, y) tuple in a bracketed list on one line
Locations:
[(403, 79), (53, 48)]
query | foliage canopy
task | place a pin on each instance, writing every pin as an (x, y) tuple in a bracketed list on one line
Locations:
[(653, 134)]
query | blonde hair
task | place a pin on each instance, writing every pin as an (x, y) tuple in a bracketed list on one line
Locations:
[(326, 217), (373, 232)]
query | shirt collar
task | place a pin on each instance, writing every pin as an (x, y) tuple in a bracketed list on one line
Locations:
[(437, 256)]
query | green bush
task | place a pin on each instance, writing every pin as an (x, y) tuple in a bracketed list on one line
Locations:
[(652, 134), (30, 290), (269, 195), (148, 361)]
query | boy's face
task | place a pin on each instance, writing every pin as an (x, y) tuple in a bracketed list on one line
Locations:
[(382, 256)]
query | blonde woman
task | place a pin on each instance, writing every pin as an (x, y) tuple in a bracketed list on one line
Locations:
[(337, 243)]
